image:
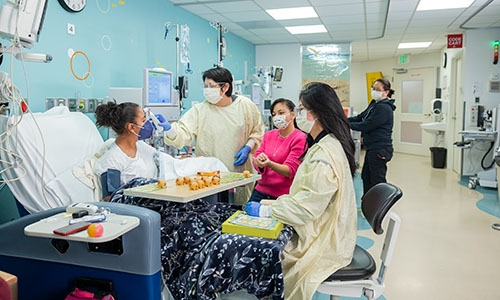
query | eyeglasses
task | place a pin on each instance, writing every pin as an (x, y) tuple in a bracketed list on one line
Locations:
[(214, 84)]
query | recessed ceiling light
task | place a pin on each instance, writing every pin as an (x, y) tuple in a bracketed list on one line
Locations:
[(443, 4), (414, 45), (306, 29), (292, 13)]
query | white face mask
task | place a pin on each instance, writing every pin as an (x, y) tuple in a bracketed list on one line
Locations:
[(303, 123), (280, 122), (212, 95), (376, 95)]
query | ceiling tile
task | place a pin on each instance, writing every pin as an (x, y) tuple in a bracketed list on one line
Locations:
[(270, 31), (314, 37), (198, 9), (360, 18), (408, 6), (237, 6), (249, 16), (233, 26), (215, 17), (341, 10)]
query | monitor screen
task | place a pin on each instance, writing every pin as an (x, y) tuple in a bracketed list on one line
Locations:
[(159, 87)]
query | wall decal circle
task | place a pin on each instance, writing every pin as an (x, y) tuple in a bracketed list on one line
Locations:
[(71, 65)]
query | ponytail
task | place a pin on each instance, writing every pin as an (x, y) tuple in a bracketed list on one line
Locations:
[(116, 116)]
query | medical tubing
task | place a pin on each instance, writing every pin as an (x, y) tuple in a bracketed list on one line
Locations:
[(486, 154)]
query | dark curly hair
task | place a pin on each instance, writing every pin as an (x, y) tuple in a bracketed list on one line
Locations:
[(116, 116)]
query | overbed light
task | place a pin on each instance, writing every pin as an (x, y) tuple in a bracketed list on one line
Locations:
[(414, 45), (306, 29), (292, 13), (443, 4)]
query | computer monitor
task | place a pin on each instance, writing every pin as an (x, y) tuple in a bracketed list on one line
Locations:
[(158, 86), (278, 74)]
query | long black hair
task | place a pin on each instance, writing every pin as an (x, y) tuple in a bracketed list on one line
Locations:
[(322, 100), (116, 116)]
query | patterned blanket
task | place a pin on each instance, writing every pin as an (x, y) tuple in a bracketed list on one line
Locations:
[(200, 262)]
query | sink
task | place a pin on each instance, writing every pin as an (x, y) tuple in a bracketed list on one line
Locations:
[(434, 127)]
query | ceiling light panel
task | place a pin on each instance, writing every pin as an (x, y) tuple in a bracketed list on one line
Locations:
[(266, 4), (414, 45), (292, 13), (306, 29), (443, 4)]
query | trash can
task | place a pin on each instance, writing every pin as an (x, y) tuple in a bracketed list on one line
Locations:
[(438, 157)]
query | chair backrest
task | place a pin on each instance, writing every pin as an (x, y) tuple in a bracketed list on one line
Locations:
[(377, 202)]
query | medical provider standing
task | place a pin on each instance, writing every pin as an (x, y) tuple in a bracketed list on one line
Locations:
[(321, 206), (375, 124), (225, 126)]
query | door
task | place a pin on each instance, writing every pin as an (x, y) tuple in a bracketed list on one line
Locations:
[(457, 114), (414, 92)]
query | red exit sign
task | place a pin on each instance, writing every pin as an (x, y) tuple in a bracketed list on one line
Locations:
[(455, 40)]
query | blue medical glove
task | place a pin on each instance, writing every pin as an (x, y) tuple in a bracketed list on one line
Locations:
[(256, 209), (253, 208), (242, 156), (163, 122)]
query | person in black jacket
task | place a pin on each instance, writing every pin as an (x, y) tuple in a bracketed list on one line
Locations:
[(375, 124)]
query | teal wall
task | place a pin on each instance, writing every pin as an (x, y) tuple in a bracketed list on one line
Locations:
[(136, 31)]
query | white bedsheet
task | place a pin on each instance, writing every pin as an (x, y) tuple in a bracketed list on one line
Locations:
[(70, 138), (171, 168)]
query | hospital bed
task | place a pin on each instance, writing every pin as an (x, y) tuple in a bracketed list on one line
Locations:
[(71, 139)]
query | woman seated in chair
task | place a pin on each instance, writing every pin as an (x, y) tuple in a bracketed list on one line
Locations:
[(128, 157), (277, 158), (321, 205)]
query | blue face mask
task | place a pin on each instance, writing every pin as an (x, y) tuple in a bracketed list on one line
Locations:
[(146, 131)]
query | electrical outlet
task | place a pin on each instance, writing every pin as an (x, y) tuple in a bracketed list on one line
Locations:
[(71, 29)]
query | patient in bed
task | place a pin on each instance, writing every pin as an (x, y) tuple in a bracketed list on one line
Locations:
[(128, 157)]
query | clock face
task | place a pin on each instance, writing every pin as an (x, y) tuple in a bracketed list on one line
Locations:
[(73, 5)]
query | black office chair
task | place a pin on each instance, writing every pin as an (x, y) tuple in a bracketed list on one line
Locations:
[(356, 279)]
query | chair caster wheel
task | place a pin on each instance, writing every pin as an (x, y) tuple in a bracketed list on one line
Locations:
[(369, 294)]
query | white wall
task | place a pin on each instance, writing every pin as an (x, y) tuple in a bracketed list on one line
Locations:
[(288, 56), (447, 86), (359, 94), (478, 66)]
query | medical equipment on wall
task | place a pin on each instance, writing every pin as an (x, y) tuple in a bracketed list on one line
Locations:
[(182, 42), (483, 131), (21, 21), (221, 42), (264, 80), (158, 93), (75, 104)]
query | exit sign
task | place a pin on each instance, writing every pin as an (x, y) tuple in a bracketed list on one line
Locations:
[(403, 59)]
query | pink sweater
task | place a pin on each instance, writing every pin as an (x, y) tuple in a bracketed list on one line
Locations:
[(285, 151)]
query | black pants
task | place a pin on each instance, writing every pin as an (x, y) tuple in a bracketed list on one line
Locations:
[(375, 167)]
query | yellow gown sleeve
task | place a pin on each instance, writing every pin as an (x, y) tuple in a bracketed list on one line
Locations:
[(186, 129), (311, 192), (256, 125)]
